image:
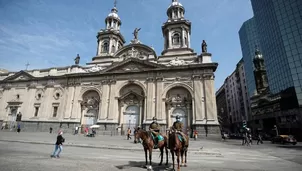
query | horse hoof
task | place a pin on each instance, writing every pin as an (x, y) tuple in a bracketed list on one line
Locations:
[(166, 164), (159, 164), (185, 165)]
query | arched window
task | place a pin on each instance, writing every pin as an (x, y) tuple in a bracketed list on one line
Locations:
[(105, 47), (176, 39)]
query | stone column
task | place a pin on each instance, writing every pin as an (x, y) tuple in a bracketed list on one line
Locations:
[(189, 40), (110, 44), (30, 110), (113, 102), (159, 101), (141, 114), (150, 97), (48, 109), (105, 101), (170, 39), (68, 107), (99, 48), (210, 98), (173, 16), (183, 43), (198, 96), (76, 107)]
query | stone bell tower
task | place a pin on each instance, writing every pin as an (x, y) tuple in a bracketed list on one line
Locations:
[(176, 31), (260, 72), (109, 39)]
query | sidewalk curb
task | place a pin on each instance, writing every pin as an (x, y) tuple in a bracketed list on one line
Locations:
[(110, 147)]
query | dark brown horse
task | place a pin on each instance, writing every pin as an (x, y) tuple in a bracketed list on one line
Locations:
[(148, 145), (179, 148)]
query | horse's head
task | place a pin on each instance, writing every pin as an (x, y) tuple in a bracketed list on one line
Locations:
[(142, 134)]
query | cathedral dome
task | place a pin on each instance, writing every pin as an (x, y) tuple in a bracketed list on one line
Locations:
[(114, 14), (175, 3)]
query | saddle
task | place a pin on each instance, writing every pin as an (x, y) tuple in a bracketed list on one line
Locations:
[(159, 137)]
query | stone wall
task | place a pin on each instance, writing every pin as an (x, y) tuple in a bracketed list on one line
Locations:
[(44, 126), (208, 131)]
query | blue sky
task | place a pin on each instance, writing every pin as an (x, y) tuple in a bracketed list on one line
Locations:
[(49, 33)]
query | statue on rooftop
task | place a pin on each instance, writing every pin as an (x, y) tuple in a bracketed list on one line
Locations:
[(77, 59), (204, 46), (135, 33)]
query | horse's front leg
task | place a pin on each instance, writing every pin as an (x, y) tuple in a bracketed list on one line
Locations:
[(161, 155), (182, 157), (186, 158), (150, 156), (178, 165), (146, 156), (173, 161), (167, 155)]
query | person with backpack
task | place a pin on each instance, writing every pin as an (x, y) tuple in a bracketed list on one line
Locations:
[(58, 145)]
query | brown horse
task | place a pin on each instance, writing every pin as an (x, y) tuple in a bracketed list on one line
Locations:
[(179, 148), (148, 145)]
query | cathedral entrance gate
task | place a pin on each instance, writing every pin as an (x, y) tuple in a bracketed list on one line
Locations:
[(131, 106), (179, 103), (90, 108), (131, 117)]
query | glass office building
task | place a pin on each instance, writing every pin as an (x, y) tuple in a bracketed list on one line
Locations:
[(279, 27), (248, 40)]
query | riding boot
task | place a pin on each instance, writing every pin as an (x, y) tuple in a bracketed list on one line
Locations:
[(156, 143)]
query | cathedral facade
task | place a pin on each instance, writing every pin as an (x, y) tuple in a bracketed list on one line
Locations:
[(124, 85)]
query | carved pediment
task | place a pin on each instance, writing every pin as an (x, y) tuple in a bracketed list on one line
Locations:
[(138, 51), (22, 75), (133, 65)]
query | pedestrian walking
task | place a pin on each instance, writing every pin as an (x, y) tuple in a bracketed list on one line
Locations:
[(18, 128), (76, 130), (3, 125), (58, 146), (259, 139), (50, 130), (128, 134)]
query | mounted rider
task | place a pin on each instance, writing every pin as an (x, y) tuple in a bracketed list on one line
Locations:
[(178, 127), (154, 128)]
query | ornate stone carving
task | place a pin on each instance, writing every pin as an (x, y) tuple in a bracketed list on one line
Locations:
[(95, 68), (21, 77), (133, 53), (208, 76), (90, 102), (149, 79), (39, 93), (196, 77), (177, 62), (33, 84), (74, 81), (131, 67), (58, 93)]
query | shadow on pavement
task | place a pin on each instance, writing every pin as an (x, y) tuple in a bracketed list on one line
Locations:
[(296, 147), (142, 165)]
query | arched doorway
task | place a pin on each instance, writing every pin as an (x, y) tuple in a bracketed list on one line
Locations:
[(131, 106), (90, 108), (179, 103)]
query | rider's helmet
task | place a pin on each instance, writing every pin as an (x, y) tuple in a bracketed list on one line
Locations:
[(177, 118), (154, 118)]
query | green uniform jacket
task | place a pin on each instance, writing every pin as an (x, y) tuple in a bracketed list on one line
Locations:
[(178, 125), (155, 126)]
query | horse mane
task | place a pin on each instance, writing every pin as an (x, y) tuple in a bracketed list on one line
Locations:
[(144, 132)]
